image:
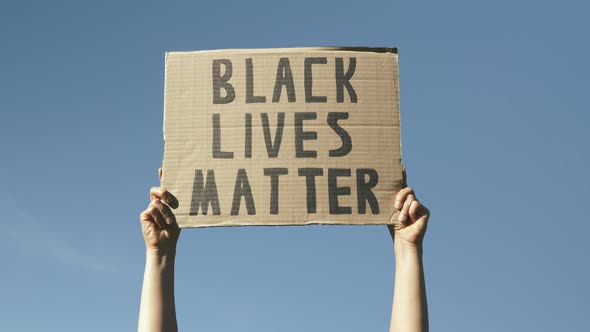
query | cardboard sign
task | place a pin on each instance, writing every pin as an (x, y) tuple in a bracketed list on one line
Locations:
[(282, 136)]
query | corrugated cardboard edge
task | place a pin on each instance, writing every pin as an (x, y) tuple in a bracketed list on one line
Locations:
[(393, 220), (298, 49)]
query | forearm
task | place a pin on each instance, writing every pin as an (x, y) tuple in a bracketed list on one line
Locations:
[(157, 310), (410, 312)]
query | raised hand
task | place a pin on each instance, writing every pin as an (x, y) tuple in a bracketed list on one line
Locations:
[(158, 223), (413, 217)]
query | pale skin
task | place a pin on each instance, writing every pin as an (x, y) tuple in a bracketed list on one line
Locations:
[(160, 231)]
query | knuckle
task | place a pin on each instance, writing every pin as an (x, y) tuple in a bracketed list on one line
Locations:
[(146, 214), (409, 201)]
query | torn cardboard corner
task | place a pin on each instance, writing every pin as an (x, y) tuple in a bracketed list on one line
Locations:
[(288, 136)]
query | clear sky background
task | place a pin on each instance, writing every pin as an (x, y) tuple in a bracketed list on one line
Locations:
[(495, 140)]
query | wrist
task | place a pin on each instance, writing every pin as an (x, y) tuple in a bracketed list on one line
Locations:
[(160, 257), (404, 249)]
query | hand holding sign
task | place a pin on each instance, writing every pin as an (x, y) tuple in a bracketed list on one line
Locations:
[(158, 223), (413, 217)]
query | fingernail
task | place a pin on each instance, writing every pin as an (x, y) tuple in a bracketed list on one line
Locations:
[(401, 217), (397, 205)]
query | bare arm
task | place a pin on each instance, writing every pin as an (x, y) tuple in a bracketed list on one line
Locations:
[(157, 310), (410, 311)]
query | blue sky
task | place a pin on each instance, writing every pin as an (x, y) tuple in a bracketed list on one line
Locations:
[(495, 141)]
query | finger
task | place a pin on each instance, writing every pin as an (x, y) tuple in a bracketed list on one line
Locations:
[(414, 210), (421, 213), (158, 218), (145, 215), (403, 215), (152, 214), (400, 198), (164, 195), (165, 212)]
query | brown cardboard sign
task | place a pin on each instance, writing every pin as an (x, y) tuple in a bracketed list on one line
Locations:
[(288, 136)]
